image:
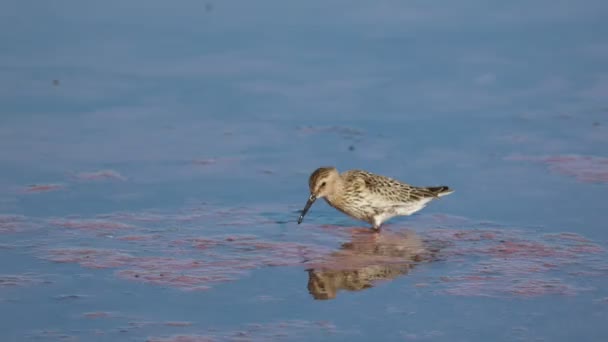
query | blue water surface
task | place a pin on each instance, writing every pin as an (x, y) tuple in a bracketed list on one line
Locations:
[(155, 155)]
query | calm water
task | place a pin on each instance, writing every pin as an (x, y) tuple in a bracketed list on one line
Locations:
[(155, 158)]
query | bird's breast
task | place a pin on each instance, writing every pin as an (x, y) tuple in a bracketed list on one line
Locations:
[(358, 209)]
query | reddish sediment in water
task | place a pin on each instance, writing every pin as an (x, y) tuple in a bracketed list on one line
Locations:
[(39, 188), (588, 169)]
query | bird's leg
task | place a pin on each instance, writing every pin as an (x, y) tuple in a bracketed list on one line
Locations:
[(376, 224)]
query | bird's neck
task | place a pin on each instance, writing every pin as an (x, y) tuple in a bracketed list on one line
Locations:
[(335, 196)]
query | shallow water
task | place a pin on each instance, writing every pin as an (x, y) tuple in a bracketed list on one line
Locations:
[(155, 158)]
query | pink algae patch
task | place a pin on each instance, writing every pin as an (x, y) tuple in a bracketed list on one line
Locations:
[(201, 214), (19, 280), (154, 270), (205, 161), (588, 169), (190, 264), (215, 161), (12, 223), (177, 249), (568, 236), (97, 314), (180, 250), (189, 276), (539, 287), (89, 257), (238, 257), (516, 263), (178, 324), (135, 217), (38, 188), (90, 224), (284, 330), (526, 249), (526, 288), (144, 324), (101, 175), (144, 237)]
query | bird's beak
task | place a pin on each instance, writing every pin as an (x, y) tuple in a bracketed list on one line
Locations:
[(309, 203)]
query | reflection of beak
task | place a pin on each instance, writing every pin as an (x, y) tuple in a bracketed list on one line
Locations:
[(309, 203)]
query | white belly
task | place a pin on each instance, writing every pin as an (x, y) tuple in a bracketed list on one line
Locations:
[(401, 210)]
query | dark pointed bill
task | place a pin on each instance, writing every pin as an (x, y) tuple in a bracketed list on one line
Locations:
[(309, 203)]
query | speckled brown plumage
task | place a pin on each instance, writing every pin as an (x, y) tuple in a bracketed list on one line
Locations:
[(369, 197)]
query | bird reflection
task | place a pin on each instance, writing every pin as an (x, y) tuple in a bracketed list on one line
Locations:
[(368, 258)]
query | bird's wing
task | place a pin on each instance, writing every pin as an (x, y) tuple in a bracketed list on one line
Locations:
[(388, 189)]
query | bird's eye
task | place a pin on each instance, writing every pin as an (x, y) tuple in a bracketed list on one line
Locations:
[(323, 184)]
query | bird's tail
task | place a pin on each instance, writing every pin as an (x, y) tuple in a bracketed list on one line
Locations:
[(439, 191)]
